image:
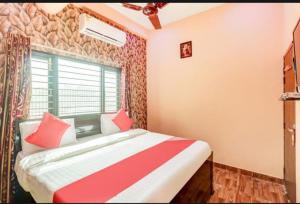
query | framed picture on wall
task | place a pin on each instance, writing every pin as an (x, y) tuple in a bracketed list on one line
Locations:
[(186, 49)]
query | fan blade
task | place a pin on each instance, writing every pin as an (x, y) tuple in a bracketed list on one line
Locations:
[(155, 21), (132, 6), (160, 5)]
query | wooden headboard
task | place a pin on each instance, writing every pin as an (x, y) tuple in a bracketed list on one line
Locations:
[(86, 125)]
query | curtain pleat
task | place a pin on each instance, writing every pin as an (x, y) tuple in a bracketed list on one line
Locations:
[(128, 103), (16, 87)]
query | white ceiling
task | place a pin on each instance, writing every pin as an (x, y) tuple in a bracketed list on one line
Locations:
[(170, 13), (52, 8)]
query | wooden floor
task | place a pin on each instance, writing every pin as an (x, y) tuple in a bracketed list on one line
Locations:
[(233, 186)]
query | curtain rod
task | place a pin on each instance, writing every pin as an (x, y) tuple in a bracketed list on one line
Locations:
[(40, 47)]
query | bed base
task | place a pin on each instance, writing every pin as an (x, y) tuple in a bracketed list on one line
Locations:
[(197, 190), (200, 187)]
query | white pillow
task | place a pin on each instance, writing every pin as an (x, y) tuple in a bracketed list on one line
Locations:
[(28, 127), (107, 125)]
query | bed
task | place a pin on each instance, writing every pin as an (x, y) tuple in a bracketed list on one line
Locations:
[(48, 176)]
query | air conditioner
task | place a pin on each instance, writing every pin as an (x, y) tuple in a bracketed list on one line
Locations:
[(95, 28)]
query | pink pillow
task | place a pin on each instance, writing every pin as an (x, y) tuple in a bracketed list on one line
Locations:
[(49, 132), (123, 121)]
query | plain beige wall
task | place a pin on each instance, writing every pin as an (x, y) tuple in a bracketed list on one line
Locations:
[(228, 92)]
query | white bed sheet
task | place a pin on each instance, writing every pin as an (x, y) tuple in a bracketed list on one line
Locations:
[(21, 174), (44, 173)]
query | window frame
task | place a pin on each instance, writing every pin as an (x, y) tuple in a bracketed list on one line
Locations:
[(53, 85)]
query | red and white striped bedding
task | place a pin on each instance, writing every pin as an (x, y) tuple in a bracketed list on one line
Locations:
[(47, 174)]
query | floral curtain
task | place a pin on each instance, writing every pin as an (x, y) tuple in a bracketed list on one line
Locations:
[(15, 87), (128, 103), (130, 94)]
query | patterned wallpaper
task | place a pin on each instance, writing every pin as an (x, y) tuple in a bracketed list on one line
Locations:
[(60, 31)]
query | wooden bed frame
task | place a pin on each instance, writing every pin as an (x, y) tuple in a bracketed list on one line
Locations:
[(200, 187), (197, 190)]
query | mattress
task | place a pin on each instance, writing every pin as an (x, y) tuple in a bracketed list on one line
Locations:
[(43, 173)]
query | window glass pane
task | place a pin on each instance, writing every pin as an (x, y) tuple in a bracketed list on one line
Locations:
[(79, 88), (111, 84), (40, 80)]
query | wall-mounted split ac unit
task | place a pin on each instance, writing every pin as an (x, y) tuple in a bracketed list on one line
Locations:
[(95, 28)]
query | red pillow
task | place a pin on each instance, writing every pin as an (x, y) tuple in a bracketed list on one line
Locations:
[(49, 132), (123, 121)]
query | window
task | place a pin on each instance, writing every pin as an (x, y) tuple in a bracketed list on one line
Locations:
[(69, 87), (111, 90), (40, 89), (79, 88)]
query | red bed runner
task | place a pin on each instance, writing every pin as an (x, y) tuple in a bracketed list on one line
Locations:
[(108, 182)]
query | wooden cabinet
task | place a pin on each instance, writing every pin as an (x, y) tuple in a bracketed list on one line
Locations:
[(296, 40), (289, 126)]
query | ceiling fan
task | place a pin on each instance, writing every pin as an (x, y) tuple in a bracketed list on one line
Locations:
[(150, 10)]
